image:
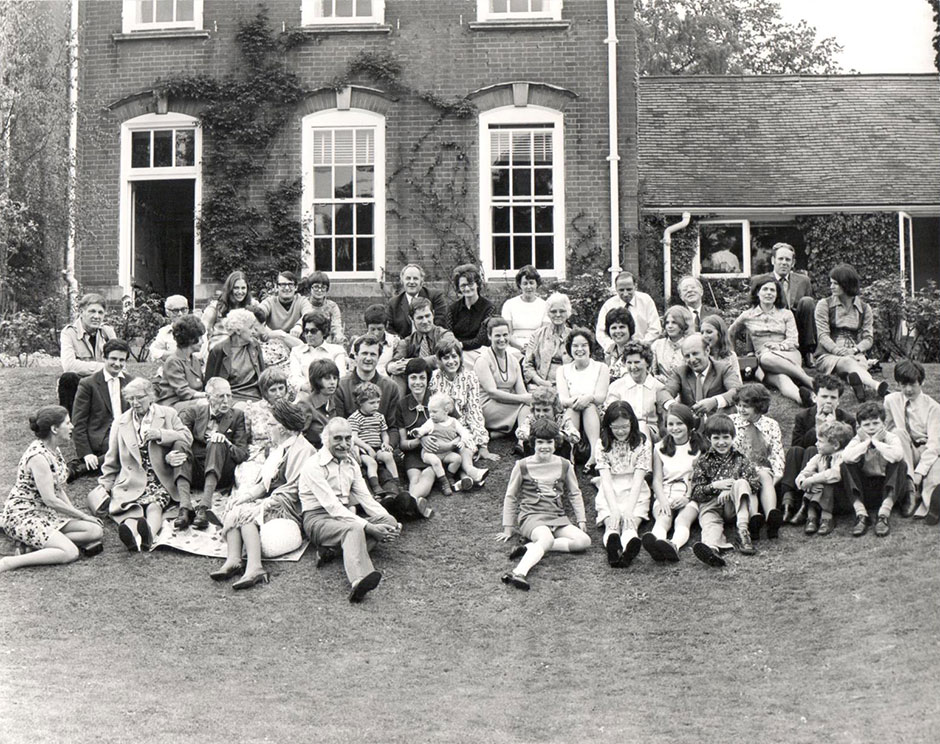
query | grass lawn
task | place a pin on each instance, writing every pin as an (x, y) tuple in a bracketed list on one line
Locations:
[(829, 639)]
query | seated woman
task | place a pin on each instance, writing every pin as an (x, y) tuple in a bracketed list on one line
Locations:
[(546, 351), (137, 473), (620, 327), (323, 376), (463, 387), (234, 295), (772, 329), (181, 382), (315, 287), (638, 388), (259, 419), (38, 511), (236, 357), (844, 333), (582, 388), (667, 351), (715, 334), (468, 314), (272, 495), (316, 328), (526, 311), (413, 413), (504, 399)]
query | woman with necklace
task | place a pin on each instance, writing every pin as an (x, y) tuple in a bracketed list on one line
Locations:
[(38, 511), (504, 398), (468, 314)]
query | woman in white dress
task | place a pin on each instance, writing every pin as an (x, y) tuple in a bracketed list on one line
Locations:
[(525, 311)]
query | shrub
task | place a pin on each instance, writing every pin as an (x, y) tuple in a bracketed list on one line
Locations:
[(139, 324), (905, 325)]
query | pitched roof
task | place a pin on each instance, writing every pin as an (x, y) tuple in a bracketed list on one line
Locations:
[(789, 140)]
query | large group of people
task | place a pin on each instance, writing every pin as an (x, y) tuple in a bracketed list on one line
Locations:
[(340, 441)]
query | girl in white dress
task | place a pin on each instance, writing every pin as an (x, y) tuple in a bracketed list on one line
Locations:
[(582, 388)]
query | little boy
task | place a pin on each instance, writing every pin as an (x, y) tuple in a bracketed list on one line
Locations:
[(723, 481), (370, 435), (915, 417), (545, 405), (818, 479), (873, 469)]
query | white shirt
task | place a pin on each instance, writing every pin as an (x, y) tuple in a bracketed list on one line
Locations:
[(525, 317), (114, 391), (645, 316), (640, 396), (334, 486)]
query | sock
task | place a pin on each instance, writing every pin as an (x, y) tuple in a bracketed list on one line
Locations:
[(827, 514), (680, 535), (659, 530), (212, 480), (885, 510), (533, 554), (860, 510), (563, 545)]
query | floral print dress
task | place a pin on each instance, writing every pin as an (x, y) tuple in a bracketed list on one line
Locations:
[(25, 515)]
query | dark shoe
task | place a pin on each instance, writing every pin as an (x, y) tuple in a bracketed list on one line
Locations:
[(222, 575), (826, 525), (365, 585), (463, 484), (201, 521), (862, 521), (651, 544), (812, 524), (800, 516), (517, 552), (93, 549), (912, 503), (809, 360), (789, 510), (246, 581), (857, 386), (806, 396), (774, 520), (128, 537), (882, 528), (423, 508), (933, 507), (518, 450), (183, 519), (614, 549), (668, 550), (883, 389), (146, 535), (708, 555), (327, 555), (745, 546), (630, 551), (754, 524), (76, 469), (517, 580)]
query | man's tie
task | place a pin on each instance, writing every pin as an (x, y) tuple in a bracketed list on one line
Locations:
[(698, 324), (786, 289), (699, 387), (424, 347)]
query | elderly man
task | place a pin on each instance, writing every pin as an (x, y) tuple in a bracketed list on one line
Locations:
[(81, 347), (703, 384), (691, 292), (163, 344), (797, 297), (412, 283), (332, 491), (641, 306), (219, 443), (420, 343)]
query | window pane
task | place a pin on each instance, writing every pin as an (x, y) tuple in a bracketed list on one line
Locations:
[(521, 182), (544, 219), (364, 254), (344, 257), (521, 251), (324, 8), (185, 147), (364, 219), (344, 8), (140, 150), (364, 8), (322, 147), (499, 148), (539, 5), (365, 146), (365, 181), (164, 11), (544, 252), (344, 219), (543, 182), (722, 248), (323, 182), (542, 147), (163, 148), (343, 147), (499, 6), (501, 253), (145, 11), (343, 189), (521, 147), (323, 219), (323, 254), (500, 219), (522, 219), (500, 182), (518, 6), (184, 10)]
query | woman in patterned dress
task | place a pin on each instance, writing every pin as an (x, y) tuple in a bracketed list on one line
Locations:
[(582, 388), (620, 327), (38, 512), (259, 418), (273, 495), (678, 323)]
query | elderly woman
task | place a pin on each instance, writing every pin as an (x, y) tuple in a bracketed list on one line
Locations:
[(667, 351), (638, 387), (137, 473), (323, 376), (237, 356), (526, 311), (272, 495), (284, 309), (413, 413), (181, 381), (316, 328), (772, 329), (620, 327), (315, 287), (844, 332), (582, 388), (463, 386), (399, 307), (259, 420), (505, 401), (38, 511), (234, 295), (546, 351), (468, 315)]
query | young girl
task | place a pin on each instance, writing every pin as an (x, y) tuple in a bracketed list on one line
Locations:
[(370, 435), (673, 459), (533, 504), (817, 479), (623, 498), (545, 405), (446, 429)]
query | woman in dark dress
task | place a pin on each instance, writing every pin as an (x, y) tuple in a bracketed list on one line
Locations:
[(468, 314)]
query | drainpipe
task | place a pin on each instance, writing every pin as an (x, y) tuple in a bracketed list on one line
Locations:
[(614, 157), (71, 291), (902, 248), (667, 252)]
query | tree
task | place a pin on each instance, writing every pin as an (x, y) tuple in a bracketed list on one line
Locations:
[(727, 37)]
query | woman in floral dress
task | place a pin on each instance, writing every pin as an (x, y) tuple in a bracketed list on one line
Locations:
[(38, 512), (259, 418)]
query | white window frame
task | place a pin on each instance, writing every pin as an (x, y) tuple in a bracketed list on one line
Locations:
[(745, 250), (308, 16), (522, 117), (129, 176), (335, 119), (129, 22), (553, 13)]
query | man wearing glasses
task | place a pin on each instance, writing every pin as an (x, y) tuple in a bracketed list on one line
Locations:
[(283, 311), (163, 344)]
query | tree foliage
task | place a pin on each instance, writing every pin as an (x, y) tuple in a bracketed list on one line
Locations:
[(723, 37)]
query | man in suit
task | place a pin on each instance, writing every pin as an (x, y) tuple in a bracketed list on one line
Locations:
[(98, 402), (220, 442), (399, 307), (691, 292), (798, 298), (420, 343), (703, 384)]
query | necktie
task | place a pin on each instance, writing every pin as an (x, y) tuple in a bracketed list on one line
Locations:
[(698, 325), (699, 387), (424, 347), (786, 289), (114, 391)]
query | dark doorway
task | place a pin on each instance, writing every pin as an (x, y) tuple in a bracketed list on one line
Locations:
[(163, 236), (926, 232)]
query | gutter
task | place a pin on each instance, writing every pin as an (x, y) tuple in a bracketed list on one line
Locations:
[(613, 157), (667, 252)]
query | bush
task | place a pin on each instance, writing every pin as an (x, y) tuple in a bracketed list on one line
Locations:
[(139, 324), (587, 293), (24, 334), (905, 325)]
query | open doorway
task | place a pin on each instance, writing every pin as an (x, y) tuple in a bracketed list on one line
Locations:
[(163, 236)]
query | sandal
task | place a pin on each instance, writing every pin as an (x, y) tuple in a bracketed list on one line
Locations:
[(246, 582)]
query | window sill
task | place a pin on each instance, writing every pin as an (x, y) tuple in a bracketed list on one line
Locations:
[(162, 33), (531, 24), (324, 29)]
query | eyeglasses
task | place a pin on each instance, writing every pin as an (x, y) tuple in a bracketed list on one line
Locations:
[(286, 284), (311, 331), (177, 310)]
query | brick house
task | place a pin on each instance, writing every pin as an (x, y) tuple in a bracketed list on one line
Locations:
[(536, 155)]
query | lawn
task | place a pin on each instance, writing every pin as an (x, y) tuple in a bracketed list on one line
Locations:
[(828, 639)]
